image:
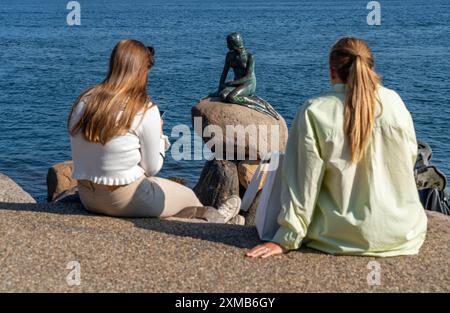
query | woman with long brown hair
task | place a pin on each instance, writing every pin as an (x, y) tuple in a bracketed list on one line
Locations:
[(118, 145), (347, 180)]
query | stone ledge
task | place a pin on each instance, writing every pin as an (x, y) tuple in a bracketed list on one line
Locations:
[(152, 255)]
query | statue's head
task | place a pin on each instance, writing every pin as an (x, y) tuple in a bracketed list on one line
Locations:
[(235, 42)]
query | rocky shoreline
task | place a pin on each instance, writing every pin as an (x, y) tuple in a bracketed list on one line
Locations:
[(152, 255)]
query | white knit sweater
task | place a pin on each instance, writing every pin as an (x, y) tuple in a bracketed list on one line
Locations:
[(125, 158)]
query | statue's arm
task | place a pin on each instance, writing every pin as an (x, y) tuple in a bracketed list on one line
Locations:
[(249, 75), (225, 70)]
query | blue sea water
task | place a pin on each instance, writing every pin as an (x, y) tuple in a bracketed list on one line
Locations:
[(45, 64)]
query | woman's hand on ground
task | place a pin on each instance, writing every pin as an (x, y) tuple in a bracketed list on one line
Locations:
[(266, 250)]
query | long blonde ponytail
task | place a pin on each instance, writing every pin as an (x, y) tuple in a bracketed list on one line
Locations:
[(353, 62)]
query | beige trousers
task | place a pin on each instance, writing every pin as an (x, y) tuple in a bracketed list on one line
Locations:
[(146, 197)]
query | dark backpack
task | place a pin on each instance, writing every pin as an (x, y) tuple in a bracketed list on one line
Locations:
[(435, 200), (430, 182)]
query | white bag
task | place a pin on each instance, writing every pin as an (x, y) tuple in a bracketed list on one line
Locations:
[(252, 188), (269, 205)]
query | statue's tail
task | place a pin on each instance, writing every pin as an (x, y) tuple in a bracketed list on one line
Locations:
[(268, 108), (272, 111)]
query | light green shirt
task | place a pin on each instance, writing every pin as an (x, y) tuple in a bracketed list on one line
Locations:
[(330, 204)]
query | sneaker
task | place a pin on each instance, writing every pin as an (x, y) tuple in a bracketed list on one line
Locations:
[(237, 220), (230, 208)]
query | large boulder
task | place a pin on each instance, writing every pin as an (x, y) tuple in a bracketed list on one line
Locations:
[(261, 128), (60, 181), (10, 192)]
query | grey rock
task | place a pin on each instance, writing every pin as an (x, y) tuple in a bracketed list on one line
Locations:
[(10, 192), (59, 179), (218, 181), (251, 213)]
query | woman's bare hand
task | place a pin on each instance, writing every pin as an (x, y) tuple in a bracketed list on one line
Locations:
[(266, 250)]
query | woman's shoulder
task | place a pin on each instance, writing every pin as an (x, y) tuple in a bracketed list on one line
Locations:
[(395, 111), (387, 92), (324, 110), (391, 100), (149, 108), (148, 116), (326, 102), (78, 108), (82, 101)]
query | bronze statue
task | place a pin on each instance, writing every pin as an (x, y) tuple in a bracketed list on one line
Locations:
[(241, 90)]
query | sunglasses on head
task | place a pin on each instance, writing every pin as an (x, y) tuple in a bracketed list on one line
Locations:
[(151, 50)]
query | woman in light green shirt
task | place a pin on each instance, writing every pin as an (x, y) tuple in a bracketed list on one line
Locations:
[(347, 179)]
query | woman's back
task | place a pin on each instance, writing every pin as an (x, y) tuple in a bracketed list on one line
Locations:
[(124, 158), (118, 145), (347, 182), (357, 200)]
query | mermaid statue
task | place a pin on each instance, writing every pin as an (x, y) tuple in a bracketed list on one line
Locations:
[(241, 90)]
